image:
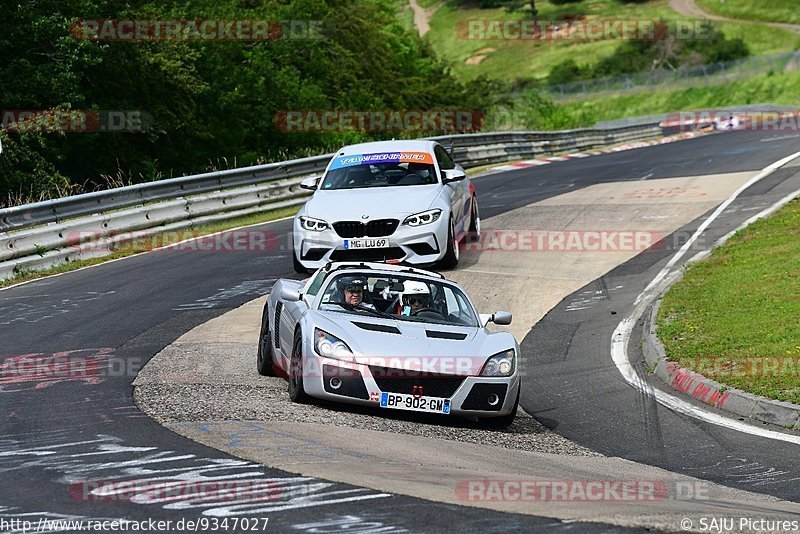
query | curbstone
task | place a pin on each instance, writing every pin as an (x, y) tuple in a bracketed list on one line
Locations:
[(711, 392)]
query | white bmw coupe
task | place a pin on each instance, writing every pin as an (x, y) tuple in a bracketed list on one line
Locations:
[(396, 201)]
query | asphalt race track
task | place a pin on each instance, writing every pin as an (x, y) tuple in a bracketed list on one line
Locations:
[(62, 430)]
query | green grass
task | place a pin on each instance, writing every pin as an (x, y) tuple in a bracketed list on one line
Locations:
[(765, 88), (765, 10), (529, 113), (521, 59), (735, 317), (406, 16), (124, 251)]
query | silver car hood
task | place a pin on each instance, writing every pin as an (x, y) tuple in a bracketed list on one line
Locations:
[(375, 203), (414, 348)]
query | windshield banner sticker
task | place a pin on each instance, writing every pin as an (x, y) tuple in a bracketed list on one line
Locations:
[(382, 157)]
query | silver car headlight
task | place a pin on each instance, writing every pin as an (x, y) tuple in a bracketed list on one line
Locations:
[(311, 224), (501, 364), (424, 217), (330, 346)]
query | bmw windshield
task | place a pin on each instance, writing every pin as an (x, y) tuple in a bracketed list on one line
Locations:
[(380, 170)]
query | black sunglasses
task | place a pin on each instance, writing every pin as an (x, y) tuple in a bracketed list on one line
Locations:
[(415, 300)]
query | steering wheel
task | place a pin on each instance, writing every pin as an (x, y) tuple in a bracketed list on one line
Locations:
[(429, 310)]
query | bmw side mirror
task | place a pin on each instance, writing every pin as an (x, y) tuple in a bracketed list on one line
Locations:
[(290, 294), (453, 175), (309, 183)]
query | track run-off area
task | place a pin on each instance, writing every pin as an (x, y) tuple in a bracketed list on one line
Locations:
[(567, 247)]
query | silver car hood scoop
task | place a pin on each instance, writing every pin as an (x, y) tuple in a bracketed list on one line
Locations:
[(376, 327), (445, 335)]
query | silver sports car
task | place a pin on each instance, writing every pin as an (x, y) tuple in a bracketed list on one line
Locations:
[(406, 201), (389, 336)]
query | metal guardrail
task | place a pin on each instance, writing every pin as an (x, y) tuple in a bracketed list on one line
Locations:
[(61, 209), (41, 234)]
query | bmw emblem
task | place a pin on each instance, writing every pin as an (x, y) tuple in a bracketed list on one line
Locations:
[(365, 216)]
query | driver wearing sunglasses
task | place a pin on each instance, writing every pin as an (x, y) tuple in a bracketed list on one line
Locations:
[(416, 296), (353, 292)]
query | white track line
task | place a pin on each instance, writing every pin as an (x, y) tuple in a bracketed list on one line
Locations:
[(764, 173), (622, 334)]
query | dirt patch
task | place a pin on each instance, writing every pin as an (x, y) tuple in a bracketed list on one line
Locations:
[(422, 16), (480, 56)]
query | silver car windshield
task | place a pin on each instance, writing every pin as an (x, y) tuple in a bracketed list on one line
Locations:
[(400, 297), (379, 175)]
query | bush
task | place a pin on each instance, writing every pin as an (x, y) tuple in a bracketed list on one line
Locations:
[(706, 44), (565, 72), (210, 101)]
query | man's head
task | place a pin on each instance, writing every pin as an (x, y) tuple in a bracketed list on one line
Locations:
[(416, 295), (353, 290)]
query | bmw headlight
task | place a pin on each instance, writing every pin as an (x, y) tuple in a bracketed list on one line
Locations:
[(425, 217), (501, 364), (313, 225), (330, 346)]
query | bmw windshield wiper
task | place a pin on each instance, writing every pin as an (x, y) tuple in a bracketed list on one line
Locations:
[(350, 307)]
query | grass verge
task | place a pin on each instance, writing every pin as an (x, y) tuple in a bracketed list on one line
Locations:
[(735, 317), (150, 243), (532, 112), (764, 10), (526, 59)]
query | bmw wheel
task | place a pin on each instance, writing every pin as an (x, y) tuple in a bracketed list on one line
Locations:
[(298, 267), (453, 252), (475, 220)]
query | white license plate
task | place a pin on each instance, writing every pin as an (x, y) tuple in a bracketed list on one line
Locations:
[(365, 243), (402, 401)]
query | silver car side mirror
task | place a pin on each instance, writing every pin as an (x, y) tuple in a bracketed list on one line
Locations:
[(502, 318), (290, 294)]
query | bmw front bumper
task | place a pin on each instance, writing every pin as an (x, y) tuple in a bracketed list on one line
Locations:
[(418, 245)]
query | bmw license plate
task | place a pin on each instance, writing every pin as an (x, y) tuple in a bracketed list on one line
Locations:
[(402, 401), (365, 243)]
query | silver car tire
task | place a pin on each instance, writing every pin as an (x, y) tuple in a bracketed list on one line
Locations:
[(297, 392)]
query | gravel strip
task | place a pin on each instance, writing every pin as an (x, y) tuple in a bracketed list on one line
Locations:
[(269, 401)]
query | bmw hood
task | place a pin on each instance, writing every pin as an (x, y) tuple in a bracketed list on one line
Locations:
[(375, 203), (434, 348)]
